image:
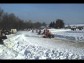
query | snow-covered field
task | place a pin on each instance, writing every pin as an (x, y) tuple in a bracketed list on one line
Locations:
[(68, 34), (28, 45)]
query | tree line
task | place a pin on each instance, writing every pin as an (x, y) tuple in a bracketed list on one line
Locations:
[(58, 24), (10, 21)]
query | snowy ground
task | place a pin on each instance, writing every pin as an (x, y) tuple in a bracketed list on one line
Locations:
[(68, 34), (28, 45)]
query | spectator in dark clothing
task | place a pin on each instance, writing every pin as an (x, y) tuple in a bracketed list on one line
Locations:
[(1, 41), (39, 32), (43, 32)]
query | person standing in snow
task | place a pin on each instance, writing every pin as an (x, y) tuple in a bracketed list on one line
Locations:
[(39, 31), (43, 32), (1, 41), (2, 37)]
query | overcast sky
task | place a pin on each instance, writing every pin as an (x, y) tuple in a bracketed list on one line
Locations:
[(70, 13)]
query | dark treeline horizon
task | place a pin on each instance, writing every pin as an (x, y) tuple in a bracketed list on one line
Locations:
[(10, 21)]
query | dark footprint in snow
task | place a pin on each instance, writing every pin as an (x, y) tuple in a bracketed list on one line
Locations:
[(26, 52), (47, 53), (36, 58)]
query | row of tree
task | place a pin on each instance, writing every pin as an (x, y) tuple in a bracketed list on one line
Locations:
[(9, 21), (58, 24)]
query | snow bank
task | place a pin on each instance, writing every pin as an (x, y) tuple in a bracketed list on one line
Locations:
[(28, 45)]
